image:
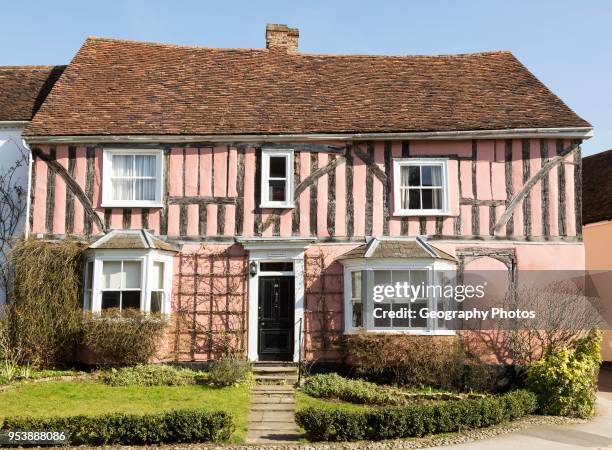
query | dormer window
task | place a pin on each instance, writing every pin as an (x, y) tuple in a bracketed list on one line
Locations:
[(277, 179), (132, 178)]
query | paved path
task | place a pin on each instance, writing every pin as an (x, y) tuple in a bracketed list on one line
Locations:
[(271, 419), (595, 434)]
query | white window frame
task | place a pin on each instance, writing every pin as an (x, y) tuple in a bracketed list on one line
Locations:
[(107, 187), (265, 178), (398, 163), (146, 258), (369, 265)]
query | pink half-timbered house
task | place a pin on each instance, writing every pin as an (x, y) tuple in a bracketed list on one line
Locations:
[(256, 194)]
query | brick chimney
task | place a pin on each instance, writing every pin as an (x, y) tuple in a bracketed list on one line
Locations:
[(282, 38)]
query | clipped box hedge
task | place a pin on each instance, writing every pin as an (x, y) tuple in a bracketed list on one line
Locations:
[(177, 426), (416, 420)]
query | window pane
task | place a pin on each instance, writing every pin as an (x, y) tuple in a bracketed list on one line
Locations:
[(276, 267), (111, 275), (144, 189), (414, 201), (157, 299), (123, 165), (432, 198), (357, 315), (418, 321), (89, 282), (356, 285), (414, 176), (144, 166), (123, 189), (130, 299), (276, 190), (131, 274), (278, 166), (110, 299), (157, 275), (382, 321), (403, 322), (431, 176), (382, 277), (419, 278)]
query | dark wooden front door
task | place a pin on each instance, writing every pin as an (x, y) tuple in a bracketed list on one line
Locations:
[(276, 317)]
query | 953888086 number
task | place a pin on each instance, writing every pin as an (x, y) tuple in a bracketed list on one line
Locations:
[(33, 437)]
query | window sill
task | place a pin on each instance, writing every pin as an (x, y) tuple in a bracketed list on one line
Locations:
[(422, 213), (405, 332), (277, 206), (131, 205)]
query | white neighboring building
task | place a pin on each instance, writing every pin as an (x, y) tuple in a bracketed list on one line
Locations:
[(22, 91)]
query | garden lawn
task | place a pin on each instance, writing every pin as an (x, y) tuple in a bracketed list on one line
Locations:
[(69, 398)]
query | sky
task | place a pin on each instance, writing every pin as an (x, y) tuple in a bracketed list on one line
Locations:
[(566, 44)]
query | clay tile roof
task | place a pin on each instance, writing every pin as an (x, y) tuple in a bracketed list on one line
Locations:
[(131, 239), (597, 187), (400, 248), (115, 87), (23, 89)]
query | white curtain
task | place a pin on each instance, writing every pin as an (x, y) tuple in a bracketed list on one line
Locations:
[(134, 177)]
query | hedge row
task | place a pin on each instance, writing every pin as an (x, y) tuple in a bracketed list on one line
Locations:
[(184, 426), (414, 420)]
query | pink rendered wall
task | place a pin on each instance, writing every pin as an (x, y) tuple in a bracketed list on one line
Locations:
[(483, 175)]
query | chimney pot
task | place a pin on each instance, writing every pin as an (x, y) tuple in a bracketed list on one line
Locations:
[(281, 37)]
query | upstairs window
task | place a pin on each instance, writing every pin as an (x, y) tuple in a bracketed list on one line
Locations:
[(132, 178), (420, 187), (277, 179)]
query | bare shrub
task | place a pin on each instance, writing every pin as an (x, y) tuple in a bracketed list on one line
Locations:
[(414, 361), (563, 315), (43, 307), (127, 337)]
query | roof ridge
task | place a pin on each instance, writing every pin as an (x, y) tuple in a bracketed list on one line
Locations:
[(298, 54), (33, 67)]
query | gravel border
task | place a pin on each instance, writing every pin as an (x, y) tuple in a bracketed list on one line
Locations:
[(426, 442)]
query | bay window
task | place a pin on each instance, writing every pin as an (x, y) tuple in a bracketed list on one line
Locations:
[(420, 186), (132, 178), (376, 300), (276, 178), (128, 279)]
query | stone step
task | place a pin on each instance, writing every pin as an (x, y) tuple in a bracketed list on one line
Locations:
[(275, 438), (275, 369), (273, 364), (271, 400), (273, 407), (277, 377), (273, 427), (273, 389)]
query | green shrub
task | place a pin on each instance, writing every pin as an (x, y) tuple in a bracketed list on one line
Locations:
[(229, 370), (565, 381), (178, 426), (414, 420), (413, 361), (124, 338), (149, 375), (334, 386)]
